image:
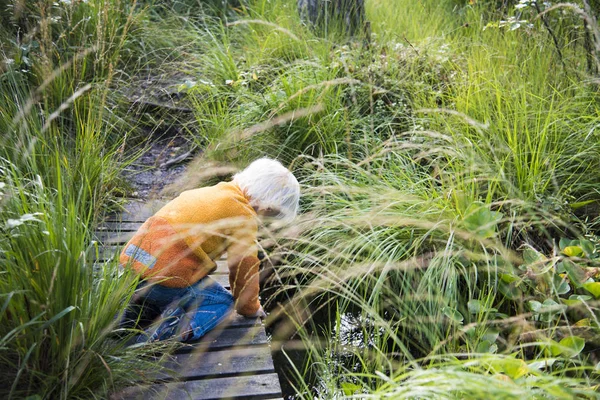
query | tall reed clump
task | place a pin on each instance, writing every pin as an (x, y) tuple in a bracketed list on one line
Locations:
[(58, 310), (388, 282), (60, 156)]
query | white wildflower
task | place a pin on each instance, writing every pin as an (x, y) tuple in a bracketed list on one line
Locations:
[(13, 223)]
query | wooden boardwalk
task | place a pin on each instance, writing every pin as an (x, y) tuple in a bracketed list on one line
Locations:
[(231, 362)]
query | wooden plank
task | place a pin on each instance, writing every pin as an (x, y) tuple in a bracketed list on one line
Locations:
[(265, 386), (201, 365), (117, 226), (223, 337), (104, 253), (238, 321), (139, 211), (112, 238)]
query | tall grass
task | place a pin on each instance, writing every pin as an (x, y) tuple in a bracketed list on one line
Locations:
[(61, 155), (443, 160), (446, 165)]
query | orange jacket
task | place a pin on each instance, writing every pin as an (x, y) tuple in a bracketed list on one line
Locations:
[(178, 245)]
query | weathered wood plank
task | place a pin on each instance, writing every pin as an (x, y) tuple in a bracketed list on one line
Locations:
[(265, 386), (201, 365), (118, 226), (223, 337), (137, 211), (113, 238), (239, 321)]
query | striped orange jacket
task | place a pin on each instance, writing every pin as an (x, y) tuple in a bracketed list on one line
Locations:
[(178, 245)]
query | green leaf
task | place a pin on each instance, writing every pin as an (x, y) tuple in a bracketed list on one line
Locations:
[(546, 363), (552, 347), (534, 306), (573, 251), (561, 286), (584, 322), (481, 221), (531, 256), (486, 347), (57, 317), (572, 346), (510, 291), (350, 388), (576, 299), (550, 309), (515, 368), (593, 288), (580, 204), (491, 335), (474, 306), (563, 243), (577, 274), (453, 314), (587, 247), (508, 278)]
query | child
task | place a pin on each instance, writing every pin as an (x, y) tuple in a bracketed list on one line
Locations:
[(175, 249)]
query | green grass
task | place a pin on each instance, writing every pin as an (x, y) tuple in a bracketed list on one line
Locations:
[(444, 164), (61, 155)]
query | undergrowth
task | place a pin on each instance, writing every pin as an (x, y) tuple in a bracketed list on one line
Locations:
[(448, 246)]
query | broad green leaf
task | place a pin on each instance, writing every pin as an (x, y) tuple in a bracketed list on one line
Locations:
[(593, 288), (587, 247), (577, 274), (573, 251), (481, 221), (510, 291), (453, 314), (584, 322), (474, 306), (534, 306), (350, 388), (564, 243), (531, 256), (515, 368), (576, 299), (561, 286), (491, 335), (508, 278), (550, 309), (541, 364), (553, 347), (572, 346), (550, 303), (486, 347)]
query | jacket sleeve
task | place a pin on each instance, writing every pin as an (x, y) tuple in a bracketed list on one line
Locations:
[(243, 269)]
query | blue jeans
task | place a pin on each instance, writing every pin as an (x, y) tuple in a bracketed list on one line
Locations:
[(205, 304)]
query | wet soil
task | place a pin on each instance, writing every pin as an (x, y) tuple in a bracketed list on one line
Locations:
[(151, 172)]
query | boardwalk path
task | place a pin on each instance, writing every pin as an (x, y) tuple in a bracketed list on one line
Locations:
[(233, 361)]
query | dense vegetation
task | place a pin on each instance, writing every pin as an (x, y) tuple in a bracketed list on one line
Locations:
[(448, 245)]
